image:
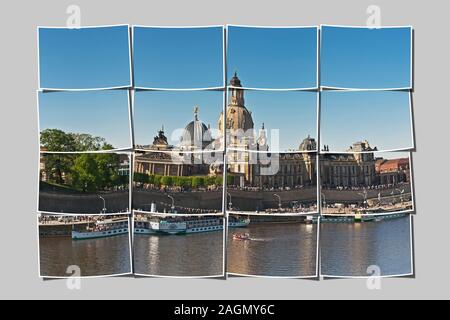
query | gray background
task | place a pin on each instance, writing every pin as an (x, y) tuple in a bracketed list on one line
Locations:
[(19, 155)]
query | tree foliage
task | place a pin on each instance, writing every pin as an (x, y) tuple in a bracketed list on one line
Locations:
[(88, 172), (58, 140)]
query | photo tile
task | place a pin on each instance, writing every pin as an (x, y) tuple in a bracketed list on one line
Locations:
[(275, 121), (279, 247), (368, 248), (84, 58), (366, 58), (178, 183), (178, 57), (274, 57), (178, 121), (84, 121), (178, 246), (366, 121), (365, 187), (84, 246), (84, 183), (272, 184)]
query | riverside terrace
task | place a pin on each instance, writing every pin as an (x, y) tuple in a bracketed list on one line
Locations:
[(376, 199)]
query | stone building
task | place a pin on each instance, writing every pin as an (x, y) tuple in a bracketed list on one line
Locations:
[(252, 167), (351, 169), (393, 171)]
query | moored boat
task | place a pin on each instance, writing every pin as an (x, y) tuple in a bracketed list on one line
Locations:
[(185, 225), (102, 229)]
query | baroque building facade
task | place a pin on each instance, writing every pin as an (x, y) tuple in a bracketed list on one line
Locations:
[(249, 164)]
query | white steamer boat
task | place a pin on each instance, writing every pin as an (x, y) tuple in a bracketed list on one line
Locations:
[(185, 225), (102, 229)]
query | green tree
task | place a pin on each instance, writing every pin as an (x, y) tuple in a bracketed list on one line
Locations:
[(85, 174), (57, 166), (107, 169), (57, 140), (198, 182), (140, 177), (157, 180), (212, 180), (218, 180), (166, 181), (85, 142), (186, 182), (177, 181)]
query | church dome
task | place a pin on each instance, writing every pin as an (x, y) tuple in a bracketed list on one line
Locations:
[(308, 144), (196, 133), (160, 139)]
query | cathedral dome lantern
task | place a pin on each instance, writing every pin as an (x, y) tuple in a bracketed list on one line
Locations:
[(235, 81)]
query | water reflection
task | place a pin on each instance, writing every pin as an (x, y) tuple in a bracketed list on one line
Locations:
[(349, 249), (190, 255), (284, 250), (95, 257)]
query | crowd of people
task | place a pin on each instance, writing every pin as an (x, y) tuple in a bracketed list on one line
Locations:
[(359, 188), (176, 189)]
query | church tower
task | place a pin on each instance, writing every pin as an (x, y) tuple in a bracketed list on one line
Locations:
[(239, 120)]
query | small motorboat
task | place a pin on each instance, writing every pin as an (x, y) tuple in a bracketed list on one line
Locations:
[(241, 236)]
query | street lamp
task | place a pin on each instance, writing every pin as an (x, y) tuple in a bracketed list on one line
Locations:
[(324, 200), (279, 200), (173, 203), (104, 204), (401, 194), (364, 195), (230, 204)]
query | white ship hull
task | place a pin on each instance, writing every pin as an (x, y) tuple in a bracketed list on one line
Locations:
[(172, 228), (76, 235)]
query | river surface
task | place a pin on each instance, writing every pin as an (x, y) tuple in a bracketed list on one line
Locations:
[(189, 255), (348, 249), (275, 249), (95, 257)]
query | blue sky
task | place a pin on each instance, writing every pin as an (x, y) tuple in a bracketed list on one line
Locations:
[(84, 58), (381, 117), (277, 58), (365, 58), (293, 113), (174, 110), (392, 155), (178, 57), (99, 113)]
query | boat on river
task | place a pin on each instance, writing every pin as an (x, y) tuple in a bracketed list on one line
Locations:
[(185, 225), (101, 229)]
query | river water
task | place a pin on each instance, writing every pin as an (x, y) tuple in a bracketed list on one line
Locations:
[(348, 249), (190, 255), (275, 249), (95, 257)]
